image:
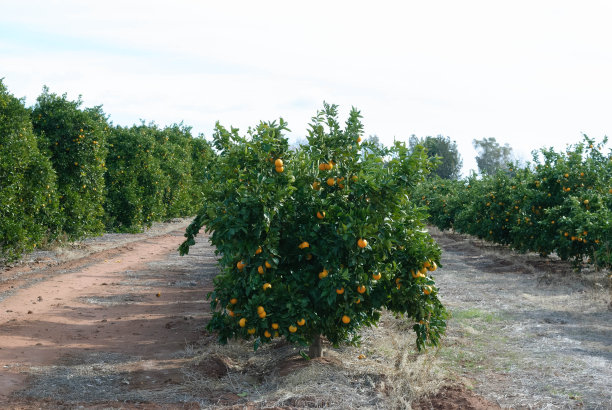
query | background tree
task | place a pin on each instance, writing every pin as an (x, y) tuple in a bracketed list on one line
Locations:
[(492, 156), (445, 150), (76, 140), (28, 197)]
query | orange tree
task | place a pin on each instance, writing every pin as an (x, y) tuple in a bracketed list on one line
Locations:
[(317, 241), (75, 138), (28, 197)]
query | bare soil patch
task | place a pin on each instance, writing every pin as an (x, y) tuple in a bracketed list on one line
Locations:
[(524, 333)]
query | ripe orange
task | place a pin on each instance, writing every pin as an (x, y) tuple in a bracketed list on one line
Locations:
[(301, 322), (262, 315), (231, 313), (358, 140), (240, 265), (340, 291), (292, 329), (376, 276), (357, 301), (433, 267), (260, 269), (274, 326), (566, 175), (361, 289), (242, 322), (258, 251), (329, 165), (251, 331), (278, 163), (321, 215), (427, 264), (414, 275), (267, 264), (280, 169), (260, 309), (566, 234), (316, 185), (303, 245), (346, 319), (361, 356), (266, 286), (354, 178), (362, 243), (323, 273), (586, 201), (427, 289), (322, 166), (233, 301), (331, 181), (267, 334)]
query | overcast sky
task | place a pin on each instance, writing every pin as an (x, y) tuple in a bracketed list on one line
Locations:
[(528, 73)]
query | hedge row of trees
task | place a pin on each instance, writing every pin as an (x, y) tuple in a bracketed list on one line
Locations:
[(66, 172), (561, 203)]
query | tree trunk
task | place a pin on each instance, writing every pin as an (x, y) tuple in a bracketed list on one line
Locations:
[(315, 350)]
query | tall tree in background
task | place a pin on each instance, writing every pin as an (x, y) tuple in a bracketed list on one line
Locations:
[(446, 150), (492, 156)]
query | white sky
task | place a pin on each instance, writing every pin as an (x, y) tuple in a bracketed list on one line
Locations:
[(529, 73)]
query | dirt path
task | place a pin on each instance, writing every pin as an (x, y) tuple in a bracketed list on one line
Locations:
[(83, 326), (526, 332), (113, 322)]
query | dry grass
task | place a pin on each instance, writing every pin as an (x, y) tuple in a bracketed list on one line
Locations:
[(392, 375)]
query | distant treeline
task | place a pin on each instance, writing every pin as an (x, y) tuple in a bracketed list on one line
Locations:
[(66, 172)]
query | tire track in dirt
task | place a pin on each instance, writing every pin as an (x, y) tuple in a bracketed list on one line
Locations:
[(106, 326)]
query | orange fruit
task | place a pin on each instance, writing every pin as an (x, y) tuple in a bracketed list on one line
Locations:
[(566, 175), (329, 165), (262, 315), (267, 264), (233, 301), (427, 289), (260, 309), (316, 185), (433, 267), (323, 274), (280, 169), (354, 178), (362, 243), (240, 265), (414, 275), (303, 245), (258, 251), (586, 201), (267, 334), (346, 319), (251, 331), (260, 269), (322, 166), (231, 313), (361, 289), (361, 356), (321, 215), (357, 301), (376, 276), (292, 329), (341, 186), (301, 322), (266, 286), (331, 181), (358, 140), (278, 163), (274, 326), (242, 322), (566, 234), (340, 291)]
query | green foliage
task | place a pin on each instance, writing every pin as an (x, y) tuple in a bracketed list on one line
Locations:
[(561, 204), (135, 182), (28, 198), (289, 237), (492, 156), (173, 151), (76, 141), (445, 151), (203, 161)]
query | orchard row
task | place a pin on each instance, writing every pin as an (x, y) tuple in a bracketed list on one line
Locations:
[(561, 204), (66, 172)]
